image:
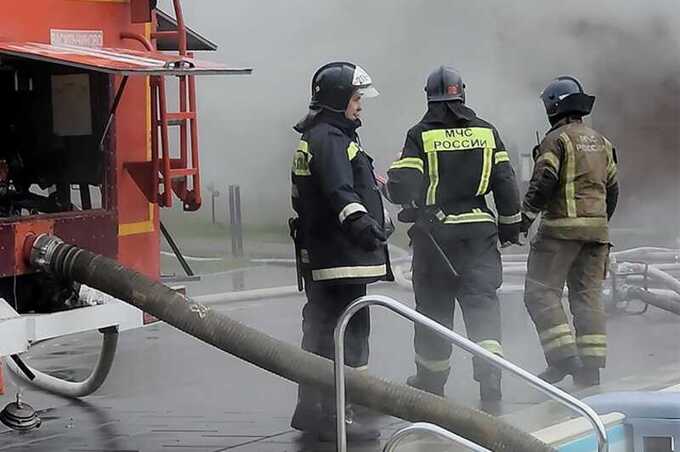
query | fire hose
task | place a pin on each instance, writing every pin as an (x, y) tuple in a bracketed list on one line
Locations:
[(50, 254), (72, 388)]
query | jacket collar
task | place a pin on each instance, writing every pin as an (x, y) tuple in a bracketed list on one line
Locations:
[(446, 112), (338, 120), (564, 121)]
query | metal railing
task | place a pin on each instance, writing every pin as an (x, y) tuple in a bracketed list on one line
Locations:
[(425, 427), (467, 345)]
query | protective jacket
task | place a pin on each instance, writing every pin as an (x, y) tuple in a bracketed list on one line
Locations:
[(451, 160), (574, 183), (333, 181)]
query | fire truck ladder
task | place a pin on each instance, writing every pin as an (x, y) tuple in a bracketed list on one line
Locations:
[(176, 174), (176, 171)]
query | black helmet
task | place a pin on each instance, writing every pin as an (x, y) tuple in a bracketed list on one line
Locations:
[(334, 84), (564, 96), (445, 84)]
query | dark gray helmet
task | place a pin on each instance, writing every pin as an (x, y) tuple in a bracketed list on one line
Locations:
[(565, 96), (334, 84), (445, 84)]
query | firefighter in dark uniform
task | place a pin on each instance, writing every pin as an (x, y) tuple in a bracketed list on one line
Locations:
[(574, 187), (339, 232), (451, 160)]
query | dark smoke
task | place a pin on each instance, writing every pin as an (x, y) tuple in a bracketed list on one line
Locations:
[(637, 78)]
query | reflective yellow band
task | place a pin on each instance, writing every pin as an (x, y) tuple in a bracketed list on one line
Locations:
[(501, 156), (433, 164), (556, 331), (597, 352), (569, 191), (576, 222), (352, 150), (409, 162), (433, 365), (592, 339), (141, 227), (510, 219), (361, 271), (301, 159), (486, 172), (492, 346), (559, 342), (458, 139), (476, 216), (349, 209), (551, 159), (362, 368)]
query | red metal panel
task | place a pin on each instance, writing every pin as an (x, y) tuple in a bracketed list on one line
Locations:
[(140, 11), (141, 252), (96, 232), (116, 61), (7, 255)]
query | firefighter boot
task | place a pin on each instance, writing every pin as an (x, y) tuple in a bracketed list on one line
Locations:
[(490, 387), (307, 411), (588, 376), (428, 380), (357, 431), (556, 372)]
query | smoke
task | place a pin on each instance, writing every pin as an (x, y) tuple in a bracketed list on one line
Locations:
[(626, 55)]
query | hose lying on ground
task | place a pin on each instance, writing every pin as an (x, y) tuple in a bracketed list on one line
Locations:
[(283, 359), (666, 302), (72, 388)]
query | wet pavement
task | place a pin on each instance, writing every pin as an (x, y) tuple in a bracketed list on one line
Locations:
[(170, 392)]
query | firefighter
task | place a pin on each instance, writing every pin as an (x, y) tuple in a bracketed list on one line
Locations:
[(339, 232), (574, 187), (451, 160)]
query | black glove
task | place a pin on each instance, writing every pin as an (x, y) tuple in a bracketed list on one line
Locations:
[(508, 233), (408, 214), (365, 232), (526, 224)]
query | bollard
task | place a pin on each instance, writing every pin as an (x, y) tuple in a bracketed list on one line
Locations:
[(235, 221)]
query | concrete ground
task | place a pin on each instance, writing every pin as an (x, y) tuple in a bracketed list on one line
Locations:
[(170, 392)]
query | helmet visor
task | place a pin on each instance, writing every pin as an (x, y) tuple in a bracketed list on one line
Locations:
[(367, 91), (363, 83)]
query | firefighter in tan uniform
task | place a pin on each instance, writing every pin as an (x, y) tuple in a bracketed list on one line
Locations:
[(574, 188)]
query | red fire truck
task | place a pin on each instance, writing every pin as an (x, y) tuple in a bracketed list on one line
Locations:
[(91, 149)]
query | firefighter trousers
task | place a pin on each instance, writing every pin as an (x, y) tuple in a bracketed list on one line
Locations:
[(582, 265), (477, 259), (320, 316), (325, 304)]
